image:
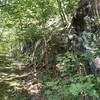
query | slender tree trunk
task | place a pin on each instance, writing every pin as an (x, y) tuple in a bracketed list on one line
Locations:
[(62, 12)]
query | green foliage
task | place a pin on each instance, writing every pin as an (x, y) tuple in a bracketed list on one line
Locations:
[(70, 84), (97, 52), (69, 63), (75, 89), (27, 28), (66, 89), (20, 96), (28, 20), (70, 4)]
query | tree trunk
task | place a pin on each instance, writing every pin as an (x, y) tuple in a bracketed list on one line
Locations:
[(87, 12), (85, 21)]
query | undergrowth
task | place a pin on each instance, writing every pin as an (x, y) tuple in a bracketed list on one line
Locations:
[(72, 82)]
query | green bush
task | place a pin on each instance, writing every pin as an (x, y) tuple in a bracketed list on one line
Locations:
[(70, 84)]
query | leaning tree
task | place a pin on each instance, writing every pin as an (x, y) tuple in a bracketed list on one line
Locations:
[(84, 32)]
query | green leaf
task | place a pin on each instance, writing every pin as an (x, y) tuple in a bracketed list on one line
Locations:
[(75, 89)]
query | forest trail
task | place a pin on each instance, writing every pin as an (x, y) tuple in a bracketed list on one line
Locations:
[(11, 79)]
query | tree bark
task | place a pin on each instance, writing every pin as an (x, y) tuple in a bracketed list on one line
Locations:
[(85, 20)]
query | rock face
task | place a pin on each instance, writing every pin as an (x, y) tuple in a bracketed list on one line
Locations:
[(97, 65), (97, 62), (94, 66)]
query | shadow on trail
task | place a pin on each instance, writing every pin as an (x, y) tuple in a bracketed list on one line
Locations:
[(10, 83)]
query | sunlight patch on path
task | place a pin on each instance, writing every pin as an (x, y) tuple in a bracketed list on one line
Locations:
[(10, 79)]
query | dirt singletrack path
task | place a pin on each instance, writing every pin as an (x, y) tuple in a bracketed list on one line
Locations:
[(10, 79)]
